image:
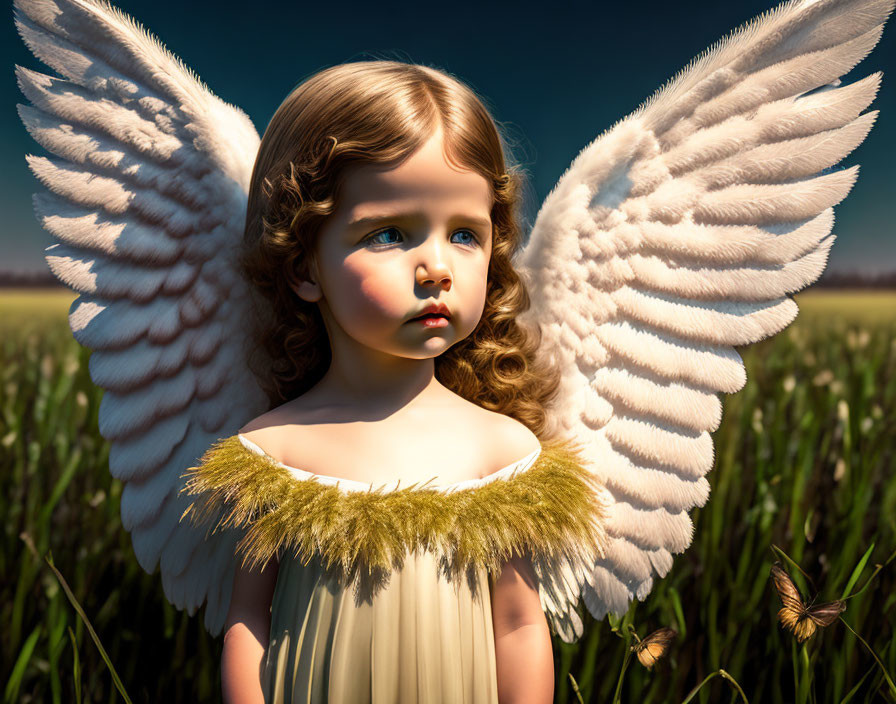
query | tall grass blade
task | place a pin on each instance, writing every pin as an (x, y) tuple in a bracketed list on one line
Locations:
[(725, 676), (854, 577), (854, 690), (874, 655), (575, 688), (76, 665), (77, 607), (877, 569), (11, 693), (796, 565)]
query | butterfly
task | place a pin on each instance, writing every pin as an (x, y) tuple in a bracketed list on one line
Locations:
[(796, 616), (654, 646)]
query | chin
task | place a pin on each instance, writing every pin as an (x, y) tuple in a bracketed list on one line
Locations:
[(429, 349)]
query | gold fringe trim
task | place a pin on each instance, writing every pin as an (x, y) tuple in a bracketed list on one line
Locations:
[(550, 509)]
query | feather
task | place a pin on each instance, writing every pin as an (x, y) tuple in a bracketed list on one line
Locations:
[(551, 508), (146, 197), (677, 235)]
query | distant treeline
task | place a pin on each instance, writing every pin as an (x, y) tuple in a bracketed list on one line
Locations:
[(830, 279)]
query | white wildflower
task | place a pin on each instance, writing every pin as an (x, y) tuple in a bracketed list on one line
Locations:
[(757, 420), (843, 410), (839, 470), (823, 378)]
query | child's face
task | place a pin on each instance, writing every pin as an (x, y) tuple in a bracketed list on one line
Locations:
[(429, 241)]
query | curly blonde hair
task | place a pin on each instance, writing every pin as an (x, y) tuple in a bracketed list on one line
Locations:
[(382, 112)]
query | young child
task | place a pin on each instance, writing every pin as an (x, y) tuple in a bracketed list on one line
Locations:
[(331, 425), (380, 230)]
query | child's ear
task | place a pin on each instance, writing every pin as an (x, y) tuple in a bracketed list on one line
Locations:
[(307, 290)]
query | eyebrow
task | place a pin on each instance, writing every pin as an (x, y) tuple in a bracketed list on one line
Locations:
[(373, 219)]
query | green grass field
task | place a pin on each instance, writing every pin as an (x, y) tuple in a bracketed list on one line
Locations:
[(804, 461)]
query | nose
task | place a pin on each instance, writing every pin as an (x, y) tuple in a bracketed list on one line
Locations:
[(433, 268)]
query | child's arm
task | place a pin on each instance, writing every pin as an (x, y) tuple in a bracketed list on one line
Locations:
[(525, 660), (246, 633)]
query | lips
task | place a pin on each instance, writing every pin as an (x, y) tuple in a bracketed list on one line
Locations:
[(435, 310)]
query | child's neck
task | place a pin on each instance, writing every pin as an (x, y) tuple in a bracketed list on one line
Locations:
[(388, 388)]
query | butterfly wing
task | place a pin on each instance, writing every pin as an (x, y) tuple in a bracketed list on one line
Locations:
[(654, 646), (790, 595), (675, 236), (147, 200), (826, 614), (794, 616), (796, 622)]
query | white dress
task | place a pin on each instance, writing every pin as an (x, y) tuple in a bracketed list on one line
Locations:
[(413, 624), (419, 638)]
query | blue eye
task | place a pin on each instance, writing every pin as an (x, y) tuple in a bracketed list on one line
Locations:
[(470, 237), (391, 235), (377, 238)]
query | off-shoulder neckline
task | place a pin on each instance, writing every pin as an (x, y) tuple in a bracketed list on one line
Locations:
[(521, 465)]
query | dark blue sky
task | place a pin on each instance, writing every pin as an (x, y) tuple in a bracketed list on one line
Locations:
[(555, 74)]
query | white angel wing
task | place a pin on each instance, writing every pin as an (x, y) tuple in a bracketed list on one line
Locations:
[(673, 237), (147, 201)]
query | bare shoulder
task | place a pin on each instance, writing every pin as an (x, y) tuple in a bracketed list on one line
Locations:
[(505, 439), (269, 429), (300, 434), (255, 424)]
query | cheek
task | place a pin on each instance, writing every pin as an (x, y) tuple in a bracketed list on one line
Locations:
[(477, 284), (480, 302), (373, 290)]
